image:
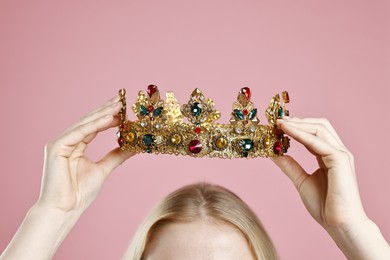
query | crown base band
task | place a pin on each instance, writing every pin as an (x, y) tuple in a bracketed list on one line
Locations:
[(216, 140)]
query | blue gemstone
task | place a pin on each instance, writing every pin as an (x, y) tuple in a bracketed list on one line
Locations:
[(253, 114), (247, 145), (157, 111), (143, 110), (280, 112), (196, 109), (148, 139), (238, 113)]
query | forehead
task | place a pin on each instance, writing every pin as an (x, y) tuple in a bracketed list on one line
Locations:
[(200, 240)]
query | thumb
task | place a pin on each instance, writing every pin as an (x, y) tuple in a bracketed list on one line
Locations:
[(292, 169), (113, 159)]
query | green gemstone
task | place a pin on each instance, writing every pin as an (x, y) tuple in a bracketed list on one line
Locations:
[(148, 139), (157, 111), (238, 113), (196, 109), (245, 154), (143, 110), (253, 114), (247, 145), (149, 150), (280, 112)]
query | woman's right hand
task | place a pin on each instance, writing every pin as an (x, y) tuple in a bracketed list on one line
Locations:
[(71, 181)]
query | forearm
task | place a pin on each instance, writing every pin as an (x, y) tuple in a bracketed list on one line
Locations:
[(40, 234), (362, 242)]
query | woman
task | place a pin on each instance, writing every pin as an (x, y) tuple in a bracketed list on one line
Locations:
[(71, 182)]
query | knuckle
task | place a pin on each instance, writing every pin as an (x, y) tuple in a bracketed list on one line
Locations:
[(50, 146), (351, 157), (342, 154), (324, 121)]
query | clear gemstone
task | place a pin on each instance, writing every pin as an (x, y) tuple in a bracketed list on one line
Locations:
[(159, 139), (143, 123), (238, 130)]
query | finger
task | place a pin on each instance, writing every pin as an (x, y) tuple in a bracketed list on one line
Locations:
[(318, 130), (113, 159), (323, 121), (115, 122), (292, 169), (69, 140), (115, 99), (313, 143), (111, 109)]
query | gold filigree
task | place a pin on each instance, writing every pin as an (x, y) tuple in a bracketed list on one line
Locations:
[(160, 127)]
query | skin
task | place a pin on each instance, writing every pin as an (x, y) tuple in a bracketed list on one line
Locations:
[(199, 240), (71, 182)]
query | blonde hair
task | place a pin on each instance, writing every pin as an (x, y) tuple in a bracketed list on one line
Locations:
[(197, 201)]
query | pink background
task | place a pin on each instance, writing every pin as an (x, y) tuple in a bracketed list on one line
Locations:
[(60, 59)]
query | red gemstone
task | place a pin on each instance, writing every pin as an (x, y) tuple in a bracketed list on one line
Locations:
[(120, 141), (286, 97), (198, 130), (247, 92), (245, 122), (245, 112), (277, 148), (195, 146), (152, 89), (150, 108)]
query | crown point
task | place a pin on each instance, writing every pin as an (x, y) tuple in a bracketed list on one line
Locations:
[(152, 89), (247, 92), (285, 97)]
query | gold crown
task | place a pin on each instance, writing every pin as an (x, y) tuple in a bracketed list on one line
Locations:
[(160, 127)]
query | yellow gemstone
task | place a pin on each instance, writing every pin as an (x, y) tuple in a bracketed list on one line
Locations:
[(130, 136), (176, 139), (266, 141), (221, 143)]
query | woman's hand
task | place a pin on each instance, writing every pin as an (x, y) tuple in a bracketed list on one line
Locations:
[(331, 193), (70, 184), (70, 180)]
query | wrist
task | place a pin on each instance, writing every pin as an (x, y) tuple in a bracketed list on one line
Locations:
[(360, 240), (41, 233)]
